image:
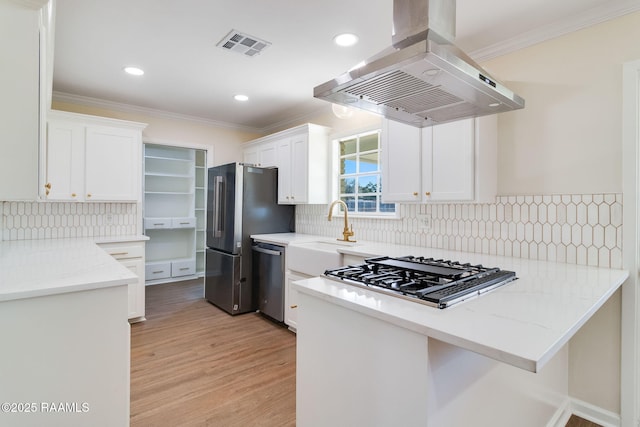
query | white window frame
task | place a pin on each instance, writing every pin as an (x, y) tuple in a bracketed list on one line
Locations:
[(336, 139)]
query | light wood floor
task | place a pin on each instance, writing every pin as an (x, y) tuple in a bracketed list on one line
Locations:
[(194, 365)]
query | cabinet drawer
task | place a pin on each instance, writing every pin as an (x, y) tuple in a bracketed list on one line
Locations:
[(157, 270), (183, 223), (120, 251), (151, 223), (183, 268)]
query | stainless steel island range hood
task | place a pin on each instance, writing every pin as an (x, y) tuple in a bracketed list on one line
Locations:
[(423, 79)]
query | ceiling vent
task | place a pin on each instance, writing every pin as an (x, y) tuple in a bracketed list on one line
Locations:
[(242, 43)]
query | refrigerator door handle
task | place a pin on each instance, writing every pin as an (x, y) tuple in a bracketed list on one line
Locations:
[(218, 195)]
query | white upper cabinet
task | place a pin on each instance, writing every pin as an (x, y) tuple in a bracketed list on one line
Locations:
[(401, 162), (301, 155), (263, 155), (448, 161), (23, 61), (113, 163), (92, 159), (452, 162)]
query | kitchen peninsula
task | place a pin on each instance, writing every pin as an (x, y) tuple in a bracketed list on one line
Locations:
[(66, 338), (365, 358)]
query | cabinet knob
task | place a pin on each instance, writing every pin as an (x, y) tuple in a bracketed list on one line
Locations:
[(47, 186), (89, 195), (415, 193), (294, 306), (428, 193), (73, 194)]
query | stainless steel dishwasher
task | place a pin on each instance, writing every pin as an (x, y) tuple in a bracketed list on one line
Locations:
[(268, 277)]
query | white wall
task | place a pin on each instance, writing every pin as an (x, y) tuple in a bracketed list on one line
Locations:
[(568, 137)]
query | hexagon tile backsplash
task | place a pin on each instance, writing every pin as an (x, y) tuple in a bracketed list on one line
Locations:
[(577, 228), (573, 228), (52, 220)]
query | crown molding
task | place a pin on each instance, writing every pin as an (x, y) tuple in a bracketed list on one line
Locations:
[(577, 22), (128, 108)]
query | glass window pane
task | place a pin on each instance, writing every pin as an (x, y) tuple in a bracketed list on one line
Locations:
[(369, 142), (347, 185), (368, 184), (387, 207), (369, 162), (367, 203), (348, 165), (351, 203), (348, 146)]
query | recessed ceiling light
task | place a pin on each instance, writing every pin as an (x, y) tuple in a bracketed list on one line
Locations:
[(241, 98), (134, 71), (346, 39)]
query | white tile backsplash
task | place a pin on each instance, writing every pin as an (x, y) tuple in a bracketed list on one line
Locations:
[(573, 228), (580, 229), (51, 220)]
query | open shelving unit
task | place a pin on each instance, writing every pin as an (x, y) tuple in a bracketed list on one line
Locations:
[(174, 212)]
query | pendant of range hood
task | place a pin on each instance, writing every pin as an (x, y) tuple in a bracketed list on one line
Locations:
[(423, 79)]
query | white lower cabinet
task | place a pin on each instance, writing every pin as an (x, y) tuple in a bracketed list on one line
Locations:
[(157, 270), (291, 299), (452, 162), (131, 255), (183, 268)]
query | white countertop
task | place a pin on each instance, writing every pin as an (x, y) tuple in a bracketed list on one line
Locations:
[(33, 268), (523, 323)]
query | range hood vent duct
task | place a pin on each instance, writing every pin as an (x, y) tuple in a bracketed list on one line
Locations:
[(422, 79)]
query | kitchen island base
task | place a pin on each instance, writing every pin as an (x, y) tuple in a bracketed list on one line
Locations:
[(65, 359), (357, 370)]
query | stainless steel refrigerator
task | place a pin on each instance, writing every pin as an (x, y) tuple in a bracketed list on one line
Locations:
[(242, 200)]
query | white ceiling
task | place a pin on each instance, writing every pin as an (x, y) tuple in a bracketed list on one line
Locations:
[(174, 41)]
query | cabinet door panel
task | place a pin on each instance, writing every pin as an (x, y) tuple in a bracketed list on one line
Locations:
[(401, 175), (65, 157), (112, 164), (267, 156), (452, 160), (19, 117), (283, 148), (299, 169), (135, 290)]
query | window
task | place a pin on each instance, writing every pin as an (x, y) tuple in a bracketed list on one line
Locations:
[(359, 178)]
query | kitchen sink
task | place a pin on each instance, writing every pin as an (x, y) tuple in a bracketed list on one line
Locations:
[(314, 257)]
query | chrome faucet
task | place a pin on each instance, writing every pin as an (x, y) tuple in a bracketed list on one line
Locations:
[(346, 233)]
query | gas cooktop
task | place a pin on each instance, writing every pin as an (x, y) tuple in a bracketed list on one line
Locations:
[(435, 282)]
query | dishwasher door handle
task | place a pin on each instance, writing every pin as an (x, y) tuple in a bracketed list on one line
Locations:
[(266, 251)]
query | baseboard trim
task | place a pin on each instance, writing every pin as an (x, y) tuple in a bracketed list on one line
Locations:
[(562, 415), (595, 414), (584, 410)]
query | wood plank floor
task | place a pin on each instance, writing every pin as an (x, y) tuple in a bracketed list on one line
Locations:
[(194, 365)]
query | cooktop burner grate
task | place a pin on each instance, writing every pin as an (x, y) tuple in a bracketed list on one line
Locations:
[(435, 282)]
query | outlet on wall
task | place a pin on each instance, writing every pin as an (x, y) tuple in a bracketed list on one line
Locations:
[(424, 222)]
